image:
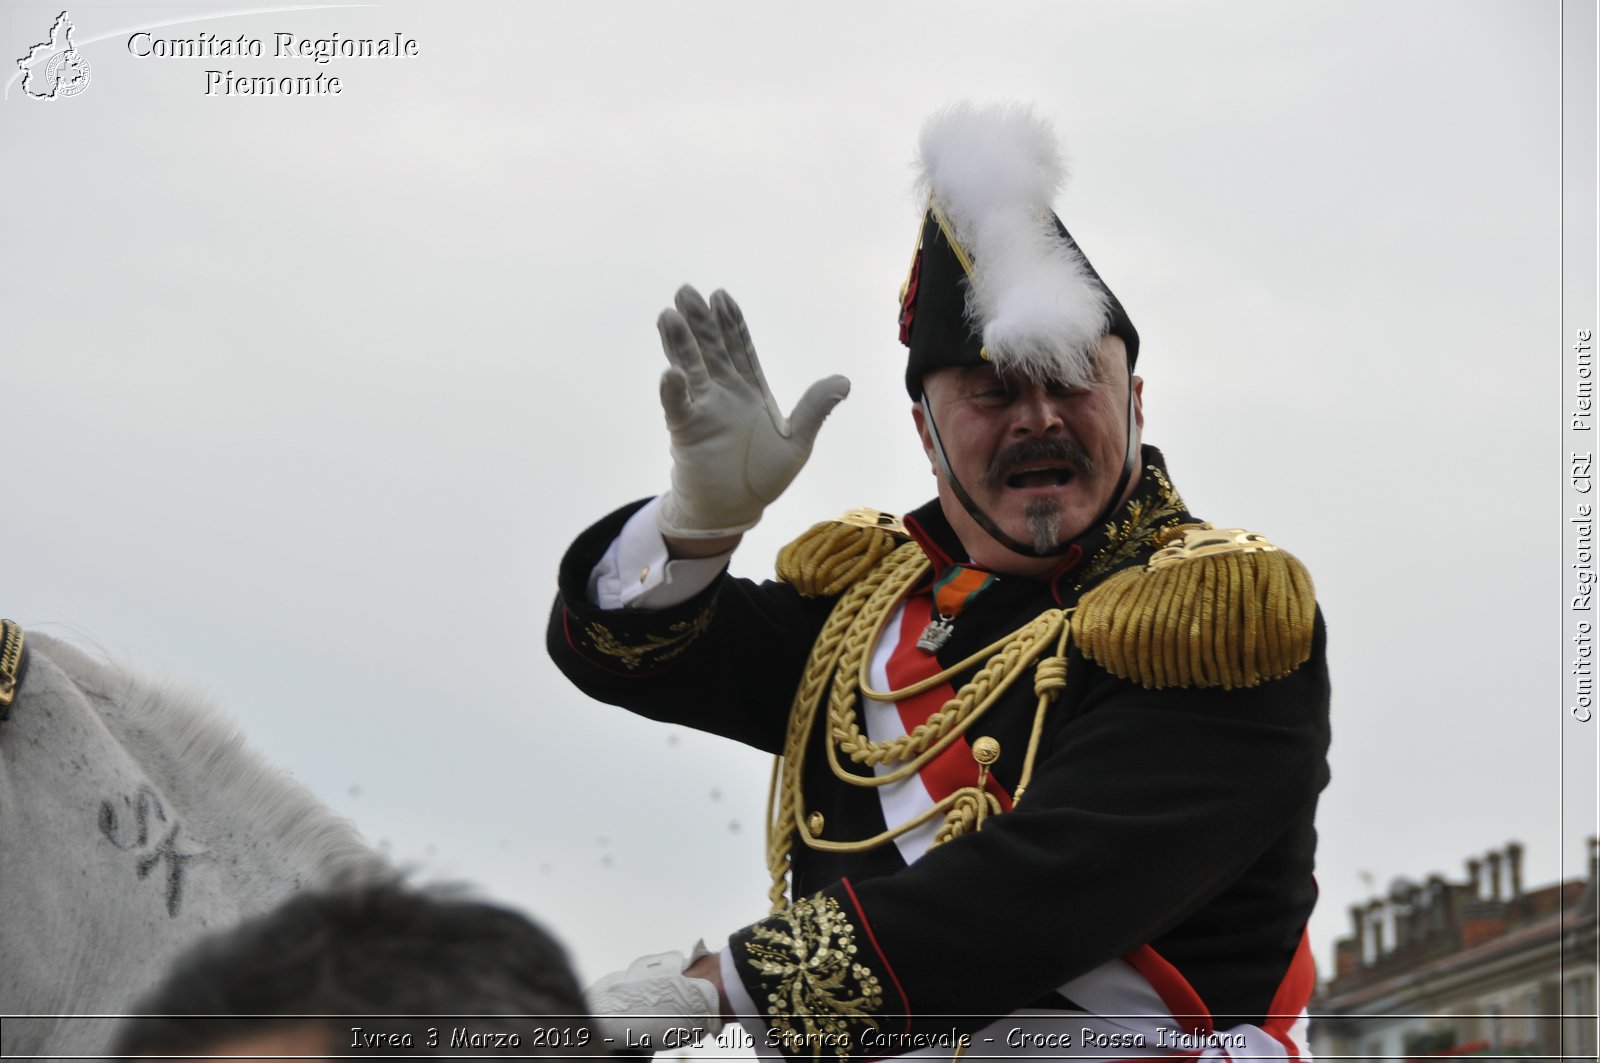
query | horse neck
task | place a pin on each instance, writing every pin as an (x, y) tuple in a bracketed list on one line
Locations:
[(280, 835)]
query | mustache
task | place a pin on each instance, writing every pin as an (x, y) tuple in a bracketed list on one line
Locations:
[(1057, 449)]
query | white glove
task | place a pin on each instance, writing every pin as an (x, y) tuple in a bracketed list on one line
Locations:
[(733, 450), (652, 1006)]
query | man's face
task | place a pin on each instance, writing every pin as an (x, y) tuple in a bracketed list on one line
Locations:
[(1040, 459)]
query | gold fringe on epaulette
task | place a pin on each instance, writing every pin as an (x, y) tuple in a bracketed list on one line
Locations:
[(1225, 619), (830, 557)]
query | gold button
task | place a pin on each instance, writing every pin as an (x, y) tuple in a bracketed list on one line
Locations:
[(814, 823), (986, 751), (643, 572)]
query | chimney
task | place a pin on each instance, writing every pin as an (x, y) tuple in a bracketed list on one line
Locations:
[(1375, 921), (1494, 877), (1400, 895), (1438, 904), (1416, 917), (1346, 958), (1514, 860), (1591, 890), (1475, 877)]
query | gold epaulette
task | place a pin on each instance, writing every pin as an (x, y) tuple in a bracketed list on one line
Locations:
[(834, 554), (1211, 608)]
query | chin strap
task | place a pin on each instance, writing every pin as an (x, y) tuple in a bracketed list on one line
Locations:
[(1129, 449), (988, 525)]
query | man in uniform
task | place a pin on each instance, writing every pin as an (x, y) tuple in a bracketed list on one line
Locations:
[(1051, 746)]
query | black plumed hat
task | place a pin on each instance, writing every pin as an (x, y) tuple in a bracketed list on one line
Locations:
[(996, 276)]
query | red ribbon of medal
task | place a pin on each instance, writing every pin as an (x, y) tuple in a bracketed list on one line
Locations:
[(909, 665)]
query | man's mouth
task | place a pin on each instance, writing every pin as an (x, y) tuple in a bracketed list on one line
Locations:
[(1036, 476), (1039, 465)]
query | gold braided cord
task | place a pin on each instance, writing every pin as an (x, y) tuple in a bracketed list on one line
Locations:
[(1049, 680), (971, 808), (948, 806), (772, 801), (1227, 620), (841, 651), (914, 749), (906, 564), (943, 676), (1225, 610), (831, 556)]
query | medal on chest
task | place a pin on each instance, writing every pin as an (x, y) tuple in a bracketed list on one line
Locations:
[(952, 593), (936, 634)]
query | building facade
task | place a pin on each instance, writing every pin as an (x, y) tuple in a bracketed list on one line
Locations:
[(1481, 968)]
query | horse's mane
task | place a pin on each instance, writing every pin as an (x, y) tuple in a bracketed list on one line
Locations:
[(203, 760)]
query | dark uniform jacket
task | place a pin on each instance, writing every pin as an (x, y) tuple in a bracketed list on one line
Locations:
[(1164, 845)]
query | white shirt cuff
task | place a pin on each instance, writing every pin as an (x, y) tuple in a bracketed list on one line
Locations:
[(635, 572)]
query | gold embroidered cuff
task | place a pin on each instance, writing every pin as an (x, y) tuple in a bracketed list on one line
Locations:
[(634, 642), (629, 642), (816, 977)]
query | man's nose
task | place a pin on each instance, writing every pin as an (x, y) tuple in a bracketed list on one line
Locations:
[(1037, 412)]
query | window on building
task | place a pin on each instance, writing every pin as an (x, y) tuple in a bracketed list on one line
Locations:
[(1578, 1033)]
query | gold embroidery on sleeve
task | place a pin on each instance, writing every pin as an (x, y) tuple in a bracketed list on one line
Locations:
[(655, 649), (820, 995)]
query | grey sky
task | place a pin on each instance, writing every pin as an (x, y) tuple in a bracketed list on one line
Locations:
[(304, 397)]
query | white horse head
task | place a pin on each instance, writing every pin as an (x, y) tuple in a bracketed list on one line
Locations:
[(133, 819)]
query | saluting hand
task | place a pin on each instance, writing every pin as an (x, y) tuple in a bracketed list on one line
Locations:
[(733, 450)]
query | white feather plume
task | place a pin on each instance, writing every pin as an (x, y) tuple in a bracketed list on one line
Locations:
[(994, 170)]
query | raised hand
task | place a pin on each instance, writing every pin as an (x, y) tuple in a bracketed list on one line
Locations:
[(733, 450)]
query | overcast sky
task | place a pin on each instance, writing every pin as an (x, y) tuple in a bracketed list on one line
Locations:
[(302, 398)]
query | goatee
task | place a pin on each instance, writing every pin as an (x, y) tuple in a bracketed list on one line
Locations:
[(1044, 522)]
